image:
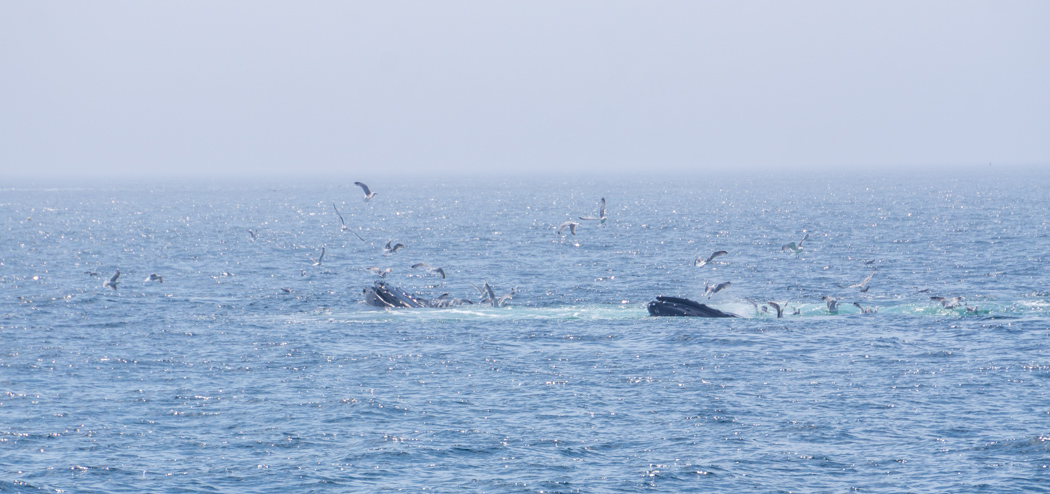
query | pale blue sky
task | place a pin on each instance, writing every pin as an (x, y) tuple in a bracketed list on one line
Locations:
[(355, 89)]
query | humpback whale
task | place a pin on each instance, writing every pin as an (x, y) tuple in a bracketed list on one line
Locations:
[(683, 307)]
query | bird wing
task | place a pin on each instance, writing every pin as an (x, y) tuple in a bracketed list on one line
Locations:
[(589, 218), (339, 215), (572, 227), (790, 247), (113, 279), (441, 271), (722, 286), (319, 259), (866, 280), (363, 187), (803, 240), (601, 209), (716, 254), (420, 265), (562, 226), (398, 246), (387, 246)]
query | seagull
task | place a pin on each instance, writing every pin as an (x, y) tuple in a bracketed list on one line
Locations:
[(797, 249), (392, 250), (490, 296), (700, 262), (286, 290), (571, 225), (864, 284), (797, 312), (112, 283), (343, 227), (971, 309), (863, 310), (947, 303), (252, 233), (779, 308), (833, 305), (380, 272), (430, 269), (713, 289), (368, 194), (317, 262), (601, 214), (91, 273), (155, 277)]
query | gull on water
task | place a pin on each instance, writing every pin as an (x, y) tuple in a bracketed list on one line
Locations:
[(489, 297), (601, 213), (112, 283), (387, 249), (713, 289), (429, 269), (796, 249), (833, 305), (155, 277), (571, 225), (779, 307), (946, 302), (317, 262), (380, 272), (700, 261), (368, 194), (865, 310), (343, 227)]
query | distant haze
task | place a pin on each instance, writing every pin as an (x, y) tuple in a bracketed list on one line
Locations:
[(187, 89)]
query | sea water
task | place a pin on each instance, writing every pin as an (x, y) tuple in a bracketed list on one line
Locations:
[(251, 369)]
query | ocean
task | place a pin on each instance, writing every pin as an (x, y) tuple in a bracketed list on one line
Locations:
[(251, 368)]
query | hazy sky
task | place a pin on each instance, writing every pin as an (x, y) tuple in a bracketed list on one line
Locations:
[(352, 89)]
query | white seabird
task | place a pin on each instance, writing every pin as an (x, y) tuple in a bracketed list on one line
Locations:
[(387, 249), (796, 249), (571, 225), (833, 305), (112, 283), (700, 261), (343, 227), (713, 289), (863, 285), (155, 277), (429, 269), (601, 213), (317, 262), (368, 194)]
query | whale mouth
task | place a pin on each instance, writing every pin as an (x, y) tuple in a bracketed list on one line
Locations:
[(682, 307)]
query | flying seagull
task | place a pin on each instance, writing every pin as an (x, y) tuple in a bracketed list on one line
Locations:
[(429, 269), (343, 226), (700, 261), (155, 277), (713, 289), (571, 225), (864, 284), (796, 249), (253, 234), (391, 250), (317, 262), (112, 283), (368, 194), (601, 213), (380, 272)]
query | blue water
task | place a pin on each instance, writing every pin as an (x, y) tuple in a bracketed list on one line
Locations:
[(219, 380)]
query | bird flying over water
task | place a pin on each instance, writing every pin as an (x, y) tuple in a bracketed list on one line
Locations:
[(571, 225), (112, 283), (343, 227), (429, 269), (387, 249), (155, 277), (796, 249), (947, 303), (368, 194), (863, 285), (601, 213), (700, 261), (865, 310), (379, 272), (317, 262), (713, 289), (252, 233)]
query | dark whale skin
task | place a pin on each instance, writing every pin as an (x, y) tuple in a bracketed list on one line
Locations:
[(682, 307)]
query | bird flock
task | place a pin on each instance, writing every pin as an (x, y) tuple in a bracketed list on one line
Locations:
[(489, 297)]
